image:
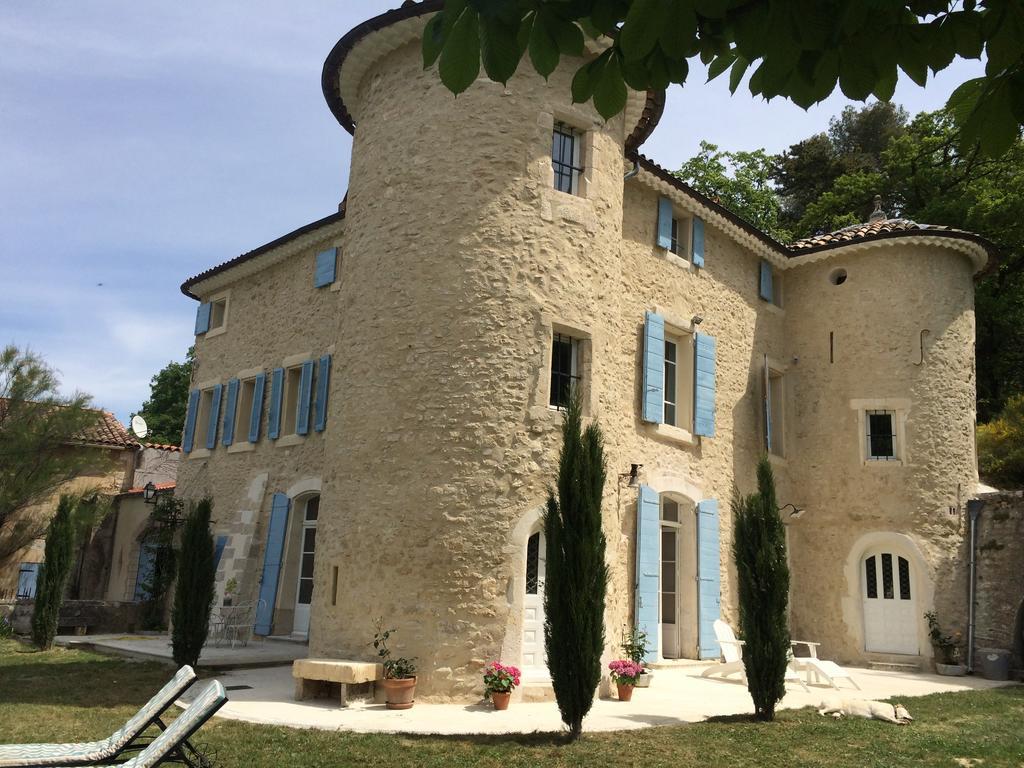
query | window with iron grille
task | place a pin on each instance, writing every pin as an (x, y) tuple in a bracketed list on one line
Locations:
[(565, 158), (881, 437), (565, 376)]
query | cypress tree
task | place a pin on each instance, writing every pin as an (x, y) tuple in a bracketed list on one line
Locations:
[(577, 575), (193, 594), (759, 549), (53, 578)]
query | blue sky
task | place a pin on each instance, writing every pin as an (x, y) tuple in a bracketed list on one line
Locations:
[(141, 143)]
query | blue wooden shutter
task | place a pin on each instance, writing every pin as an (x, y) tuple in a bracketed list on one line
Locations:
[(230, 406), (648, 567), (323, 378), (190, 421), (704, 385), (709, 578), (28, 576), (256, 415), (653, 405), (305, 396), (766, 281), (203, 318), (326, 266), (664, 222), (211, 427), (276, 395), (272, 563), (218, 550), (698, 242)]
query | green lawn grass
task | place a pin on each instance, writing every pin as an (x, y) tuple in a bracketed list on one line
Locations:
[(66, 695)]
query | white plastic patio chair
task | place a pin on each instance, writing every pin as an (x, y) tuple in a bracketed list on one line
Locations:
[(732, 655), (820, 669)]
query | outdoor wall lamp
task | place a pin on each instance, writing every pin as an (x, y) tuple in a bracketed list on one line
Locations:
[(697, 319), (633, 475), (796, 513), (149, 493)]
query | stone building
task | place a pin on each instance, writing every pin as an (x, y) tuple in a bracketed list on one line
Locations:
[(376, 398)]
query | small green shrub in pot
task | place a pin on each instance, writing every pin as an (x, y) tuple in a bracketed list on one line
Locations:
[(399, 681)]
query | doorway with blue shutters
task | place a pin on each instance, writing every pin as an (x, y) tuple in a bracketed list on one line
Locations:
[(678, 575), (286, 584)]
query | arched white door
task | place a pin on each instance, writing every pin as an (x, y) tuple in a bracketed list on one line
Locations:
[(890, 608), (307, 552), (534, 658)]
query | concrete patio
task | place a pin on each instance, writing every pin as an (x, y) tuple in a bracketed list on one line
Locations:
[(676, 696), (258, 653)]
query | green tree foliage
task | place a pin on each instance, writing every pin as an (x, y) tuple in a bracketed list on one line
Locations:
[(164, 411), (576, 575), (852, 145), (38, 427), (759, 549), (53, 578), (797, 50), (1001, 446), (741, 181), (193, 593)]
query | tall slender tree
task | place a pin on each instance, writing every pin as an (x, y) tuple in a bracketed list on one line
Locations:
[(759, 548), (193, 594), (57, 561), (576, 575)]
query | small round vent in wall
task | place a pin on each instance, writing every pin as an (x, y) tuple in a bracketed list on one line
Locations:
[(838, 276)]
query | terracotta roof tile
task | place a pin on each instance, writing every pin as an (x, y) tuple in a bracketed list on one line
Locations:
[(139, 491), (164, 447), (107, 431), (871, 229)]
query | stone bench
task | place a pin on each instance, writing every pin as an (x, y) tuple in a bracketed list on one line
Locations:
[(312, 673)]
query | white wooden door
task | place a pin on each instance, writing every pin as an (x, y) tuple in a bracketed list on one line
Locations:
[(534, 659), (307, 553), (890, 608)]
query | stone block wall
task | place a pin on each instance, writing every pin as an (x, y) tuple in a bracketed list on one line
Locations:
[(999, 621)]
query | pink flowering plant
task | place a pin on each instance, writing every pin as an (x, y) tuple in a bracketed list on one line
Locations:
[(500, 678), (625, 671)]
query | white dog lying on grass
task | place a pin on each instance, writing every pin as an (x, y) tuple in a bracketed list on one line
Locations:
[(837, 706)]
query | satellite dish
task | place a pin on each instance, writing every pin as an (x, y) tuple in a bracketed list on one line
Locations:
[(139, 427)]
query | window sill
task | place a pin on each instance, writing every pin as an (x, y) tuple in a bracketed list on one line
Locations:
[(241, 447), (335, 286), (215, 332), (777, 460), (199, 453), (674, 258), (673, 434), (882, 462), (286, 441), (773, 308)]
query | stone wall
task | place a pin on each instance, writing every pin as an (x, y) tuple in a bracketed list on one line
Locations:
[(999, 621)]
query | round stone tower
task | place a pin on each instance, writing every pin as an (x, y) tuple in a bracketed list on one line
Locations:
[(457, 249), (880, 339)]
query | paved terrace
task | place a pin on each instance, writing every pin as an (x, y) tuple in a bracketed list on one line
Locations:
[(258, 653), (677, 695)]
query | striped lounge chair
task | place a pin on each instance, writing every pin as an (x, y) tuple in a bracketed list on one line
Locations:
[(127, 739)]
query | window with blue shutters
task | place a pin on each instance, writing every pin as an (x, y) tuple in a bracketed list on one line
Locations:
[(203, 318), (212, 316), (326, 269)]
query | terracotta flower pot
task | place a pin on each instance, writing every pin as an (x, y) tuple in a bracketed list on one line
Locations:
[(500, 699), (400, 693), (625, 691)]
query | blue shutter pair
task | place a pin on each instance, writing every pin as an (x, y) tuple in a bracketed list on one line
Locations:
[(765, 283), (653, 396), (648, 569), (272, 557), (665, 216), (326, 268), (302, 407), (203, 318), (230, 415)]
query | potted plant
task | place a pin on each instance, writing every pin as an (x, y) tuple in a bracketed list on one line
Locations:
[(229, 591), (399, 681), (947, 648), (634, 646), (625, 673), (499, 682)]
